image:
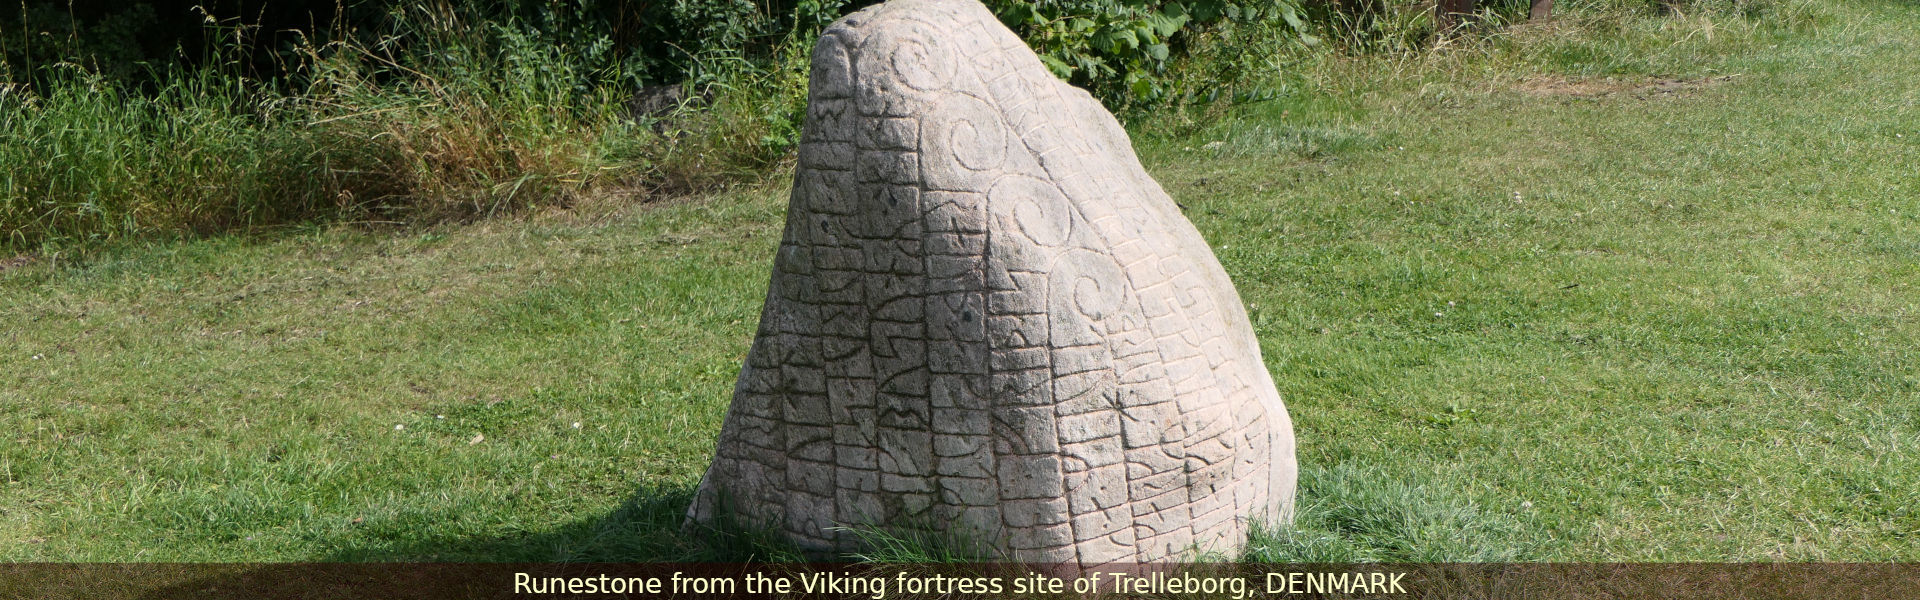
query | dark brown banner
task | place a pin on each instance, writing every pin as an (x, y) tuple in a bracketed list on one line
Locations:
[(957, 582)]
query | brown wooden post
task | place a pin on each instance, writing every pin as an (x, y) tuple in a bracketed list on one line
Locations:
[(1542, 10), (1450, 15)]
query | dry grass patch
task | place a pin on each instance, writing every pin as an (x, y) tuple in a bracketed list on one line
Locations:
[(1550, 86)]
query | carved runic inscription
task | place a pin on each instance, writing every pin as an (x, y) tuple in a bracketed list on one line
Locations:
[(986, 320)]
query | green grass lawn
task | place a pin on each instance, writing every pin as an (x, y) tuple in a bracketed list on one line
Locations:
[(1645, 294)]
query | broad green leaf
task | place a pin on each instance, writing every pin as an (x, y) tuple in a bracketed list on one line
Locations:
[(1144, 33), (1142, 88), (1059, 67), (1292, 19), (1102, 41), (1165, 25)]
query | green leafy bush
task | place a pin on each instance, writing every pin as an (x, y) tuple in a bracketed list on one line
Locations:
[(1123, 50)]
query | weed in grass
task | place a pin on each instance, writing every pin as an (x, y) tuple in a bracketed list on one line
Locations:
[(911, 545), (1350, 514)]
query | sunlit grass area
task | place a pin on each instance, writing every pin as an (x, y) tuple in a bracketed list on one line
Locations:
[(1639, 293)]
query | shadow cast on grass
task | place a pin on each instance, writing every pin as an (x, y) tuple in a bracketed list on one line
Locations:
[(1348, 514), (649, 526)]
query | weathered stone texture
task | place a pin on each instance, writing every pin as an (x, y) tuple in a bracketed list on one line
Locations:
[(985, 318)]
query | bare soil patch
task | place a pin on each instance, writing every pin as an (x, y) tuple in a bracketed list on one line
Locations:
[(1562, 86)]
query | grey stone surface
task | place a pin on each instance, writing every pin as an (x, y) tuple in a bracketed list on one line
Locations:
[(985, 319)]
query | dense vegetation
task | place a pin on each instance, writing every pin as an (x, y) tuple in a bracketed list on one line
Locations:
[(154, 118)]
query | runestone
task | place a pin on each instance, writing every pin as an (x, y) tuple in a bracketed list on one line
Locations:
[(987, 321)]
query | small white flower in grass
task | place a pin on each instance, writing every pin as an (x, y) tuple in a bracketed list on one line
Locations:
[(439, 416), (1439, 314), (38, 356), (1526, 504), (1449, 303), (399, 427), (576, 424)]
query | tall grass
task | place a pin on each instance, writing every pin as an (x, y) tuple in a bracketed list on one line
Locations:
[(90, 160), (448, 114), (440, 117)]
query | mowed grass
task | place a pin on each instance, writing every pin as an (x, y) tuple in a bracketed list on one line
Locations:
[(1554, 297)]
